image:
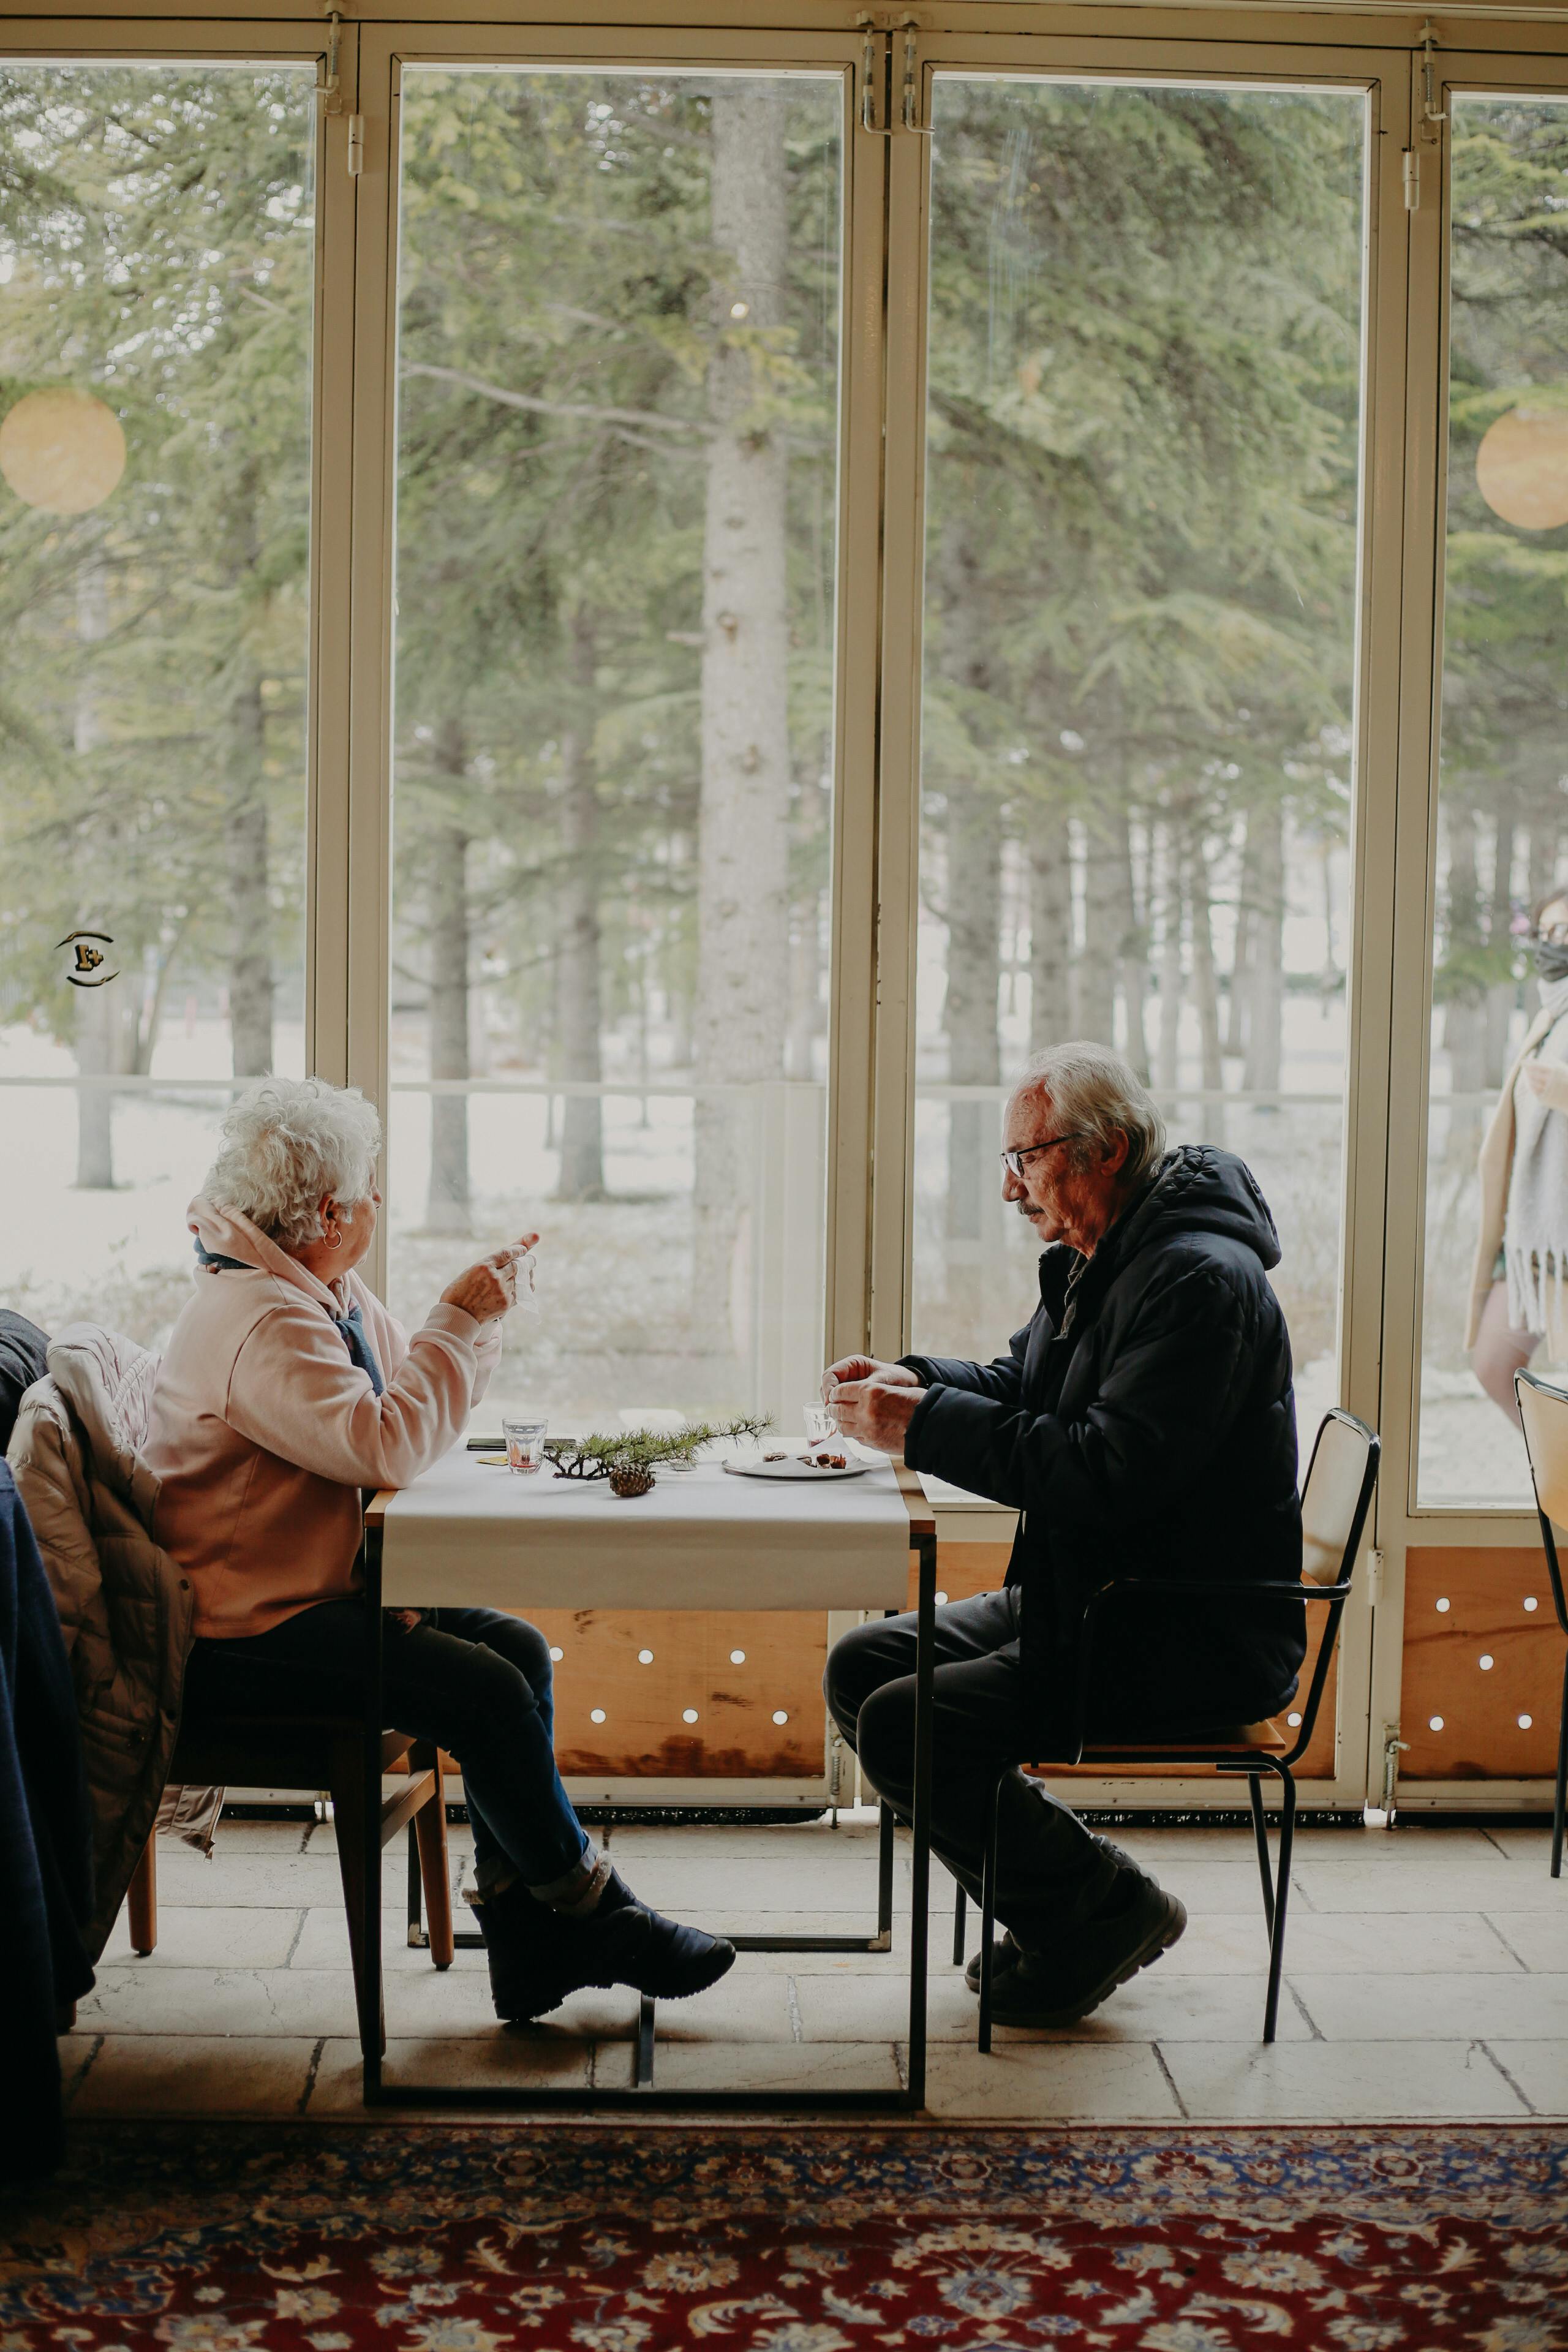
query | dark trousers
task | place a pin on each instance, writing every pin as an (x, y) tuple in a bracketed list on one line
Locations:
[(1051, 1871), (473, 1680)]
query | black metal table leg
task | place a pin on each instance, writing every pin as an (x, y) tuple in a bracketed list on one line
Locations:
[(645, 2042), (920, 1884), (369, 1972)]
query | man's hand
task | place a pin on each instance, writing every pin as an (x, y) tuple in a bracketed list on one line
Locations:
[(1550, 1081), (488, 1290), (878, 1411), (864, 1368)]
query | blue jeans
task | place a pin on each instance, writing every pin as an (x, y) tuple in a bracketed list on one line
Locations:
[(475, 1681)]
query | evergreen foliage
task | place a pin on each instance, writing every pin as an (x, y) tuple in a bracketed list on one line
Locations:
[(638, 1451)]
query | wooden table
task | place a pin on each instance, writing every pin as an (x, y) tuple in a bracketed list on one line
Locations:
[(467, 1535)]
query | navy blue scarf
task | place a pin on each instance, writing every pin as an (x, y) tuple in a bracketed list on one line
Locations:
[(351, 1326)]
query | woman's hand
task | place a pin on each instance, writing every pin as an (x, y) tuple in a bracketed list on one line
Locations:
[(488, 1290), (1550, 1081)]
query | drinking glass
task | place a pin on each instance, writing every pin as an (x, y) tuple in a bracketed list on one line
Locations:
[(821, 1423), (525, 1440)]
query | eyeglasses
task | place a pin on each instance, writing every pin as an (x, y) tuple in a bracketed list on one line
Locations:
[(1013, 1162)]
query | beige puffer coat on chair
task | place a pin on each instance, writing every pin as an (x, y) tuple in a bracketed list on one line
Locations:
[(125, 1608)]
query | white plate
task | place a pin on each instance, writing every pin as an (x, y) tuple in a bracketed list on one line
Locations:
[(791, 1466)]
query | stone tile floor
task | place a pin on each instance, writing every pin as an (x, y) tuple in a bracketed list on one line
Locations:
[(1427, 1976)]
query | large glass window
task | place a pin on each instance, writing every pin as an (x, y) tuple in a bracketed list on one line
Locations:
[(1502, 819), (1144, 432), (157, 248), (618, 423)]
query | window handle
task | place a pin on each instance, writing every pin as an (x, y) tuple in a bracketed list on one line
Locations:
[(873, 70)]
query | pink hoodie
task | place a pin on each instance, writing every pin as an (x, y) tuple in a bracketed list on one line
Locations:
[(264, 1429)]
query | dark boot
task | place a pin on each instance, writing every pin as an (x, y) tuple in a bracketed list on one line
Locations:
[(627, 1942), (529, 1971), (1137, 1922), (537, 1956), (1008, 1950)]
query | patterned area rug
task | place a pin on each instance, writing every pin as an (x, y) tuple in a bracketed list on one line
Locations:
[(432, 2239)]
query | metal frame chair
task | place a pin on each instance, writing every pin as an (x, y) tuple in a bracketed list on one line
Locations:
[(1335, 1500), (1540, 1406)]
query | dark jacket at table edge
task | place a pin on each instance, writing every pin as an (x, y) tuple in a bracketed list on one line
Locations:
[(45, 1846), (1143, 1425)]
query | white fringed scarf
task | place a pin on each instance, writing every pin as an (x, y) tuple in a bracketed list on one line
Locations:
[(1535, 1237)]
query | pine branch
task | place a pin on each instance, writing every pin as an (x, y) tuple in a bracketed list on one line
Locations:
[(598, 1455)]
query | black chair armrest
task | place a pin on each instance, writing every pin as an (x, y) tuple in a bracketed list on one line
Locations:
[(1226, 1584), (1168, 1586)]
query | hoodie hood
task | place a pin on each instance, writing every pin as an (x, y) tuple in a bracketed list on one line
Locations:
[(1198, 1189), (228, 1232)]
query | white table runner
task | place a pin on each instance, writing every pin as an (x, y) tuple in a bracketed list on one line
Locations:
[(472, 1536)]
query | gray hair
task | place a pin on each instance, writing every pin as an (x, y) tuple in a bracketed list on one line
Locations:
[(288, 1143), (1095, 1094)]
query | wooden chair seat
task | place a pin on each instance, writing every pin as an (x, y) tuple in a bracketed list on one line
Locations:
[(1265, 1739), (312, 1753)]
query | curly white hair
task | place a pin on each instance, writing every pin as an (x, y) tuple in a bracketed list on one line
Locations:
[(288, 1143)]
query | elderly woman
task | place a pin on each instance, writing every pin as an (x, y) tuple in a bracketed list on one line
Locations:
[(286, 1389)]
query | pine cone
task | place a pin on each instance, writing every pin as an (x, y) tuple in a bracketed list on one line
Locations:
[(629, 1482)]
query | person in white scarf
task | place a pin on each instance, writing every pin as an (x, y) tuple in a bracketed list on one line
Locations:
[(1519, 1287)]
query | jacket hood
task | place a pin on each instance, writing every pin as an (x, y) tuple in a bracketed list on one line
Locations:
[(228, 1232), (1199, 1189)]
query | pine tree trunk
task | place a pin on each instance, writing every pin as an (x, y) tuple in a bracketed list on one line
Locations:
[(1239, 1002), (804, 982), (743, 890), (973, 974), (250, 985), (806, 1011), (1463, 1010), (972, 908), (98, 1016), (1263, 1048), (1104, 918), (1206, 989), (580, 999), (450, 1208), (1134, 963), (1543, 845), (1167, 1051), (1501, 994), (1050, 927)]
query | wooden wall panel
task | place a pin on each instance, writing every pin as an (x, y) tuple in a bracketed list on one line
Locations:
[(1464, 1719), (691, 1668)]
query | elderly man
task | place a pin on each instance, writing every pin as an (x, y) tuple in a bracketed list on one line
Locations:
[(1141, 1422)]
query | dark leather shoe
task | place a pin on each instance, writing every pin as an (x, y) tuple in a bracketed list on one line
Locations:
[(1059, 1987), (1004, 1954), (529, 1971), (1008, 1950), (627, 1942), (537, 1956)]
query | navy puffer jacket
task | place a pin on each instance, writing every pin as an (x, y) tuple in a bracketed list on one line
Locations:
[(1143, 1422)]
